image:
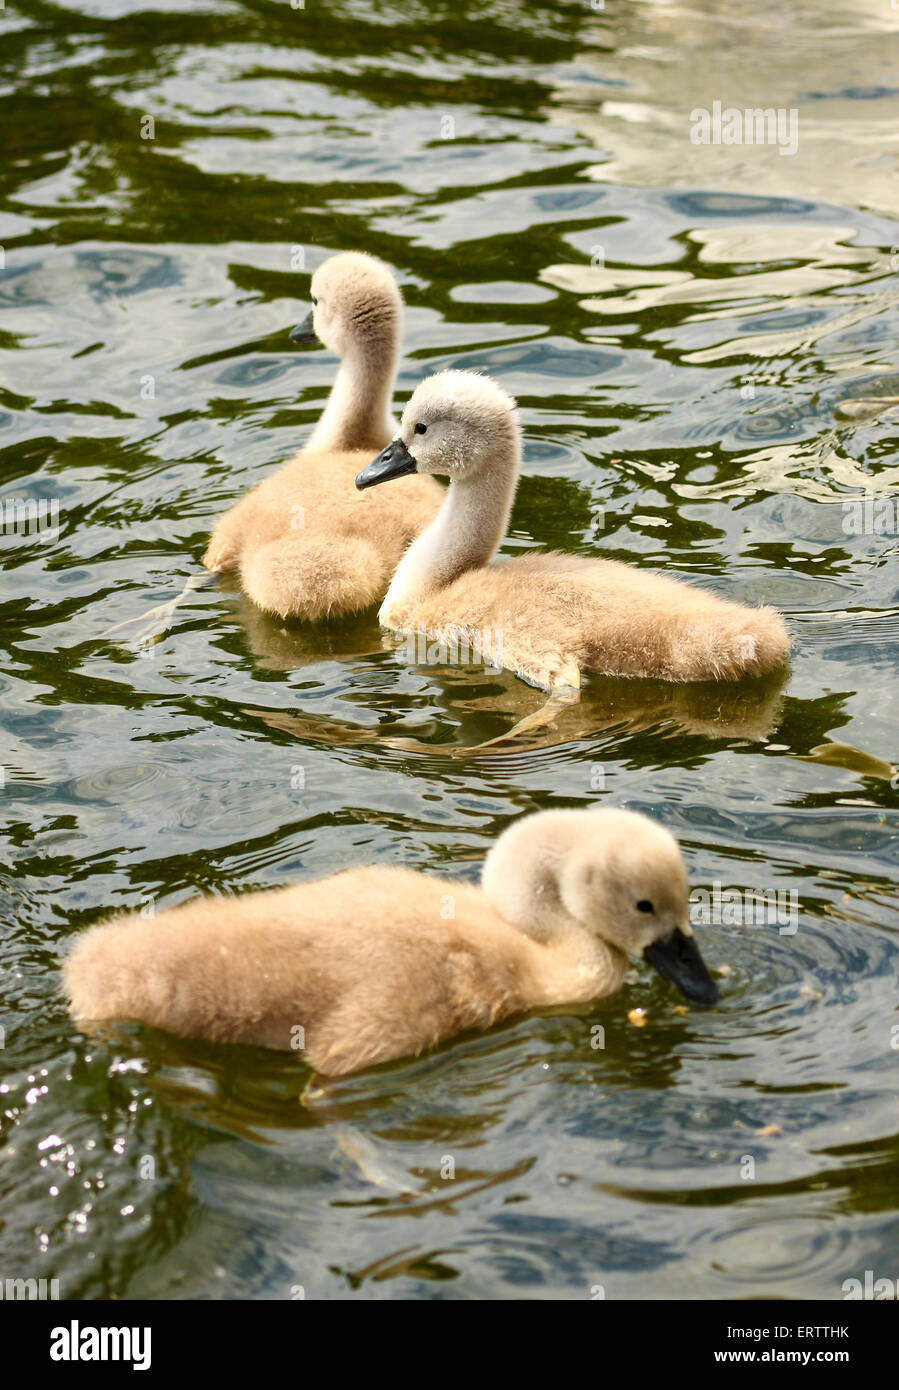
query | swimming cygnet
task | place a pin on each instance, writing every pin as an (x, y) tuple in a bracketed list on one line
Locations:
[(303, 546), (547, 616), (377, 963)]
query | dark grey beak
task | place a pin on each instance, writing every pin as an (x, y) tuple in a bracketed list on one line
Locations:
[(676, 957), (393, 462), (304, 332)]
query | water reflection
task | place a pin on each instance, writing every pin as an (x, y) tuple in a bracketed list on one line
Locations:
[(644, 68)]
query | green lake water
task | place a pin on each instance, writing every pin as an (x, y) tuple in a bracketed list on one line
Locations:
[(688, 330)]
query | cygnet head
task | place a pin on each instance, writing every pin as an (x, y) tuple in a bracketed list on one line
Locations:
[(356, 305), (610, 873), (458, 425)]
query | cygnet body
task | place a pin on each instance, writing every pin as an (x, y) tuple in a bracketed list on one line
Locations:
[(375, 963), (300, 541), (545, 616)]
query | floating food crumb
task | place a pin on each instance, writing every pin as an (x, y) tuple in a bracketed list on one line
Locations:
[(810, 993), (768, 1132), (680, 1009), (638, 1018), (724, 970)]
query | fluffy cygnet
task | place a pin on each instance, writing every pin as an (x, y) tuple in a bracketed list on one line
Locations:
[(547, 616), (302, 544), (378, 963)]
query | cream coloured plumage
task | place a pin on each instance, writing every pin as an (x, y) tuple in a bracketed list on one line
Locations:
[(549, 616), (302, 544), (378, 963)]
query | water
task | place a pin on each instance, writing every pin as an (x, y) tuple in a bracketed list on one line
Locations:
[(687, 329)]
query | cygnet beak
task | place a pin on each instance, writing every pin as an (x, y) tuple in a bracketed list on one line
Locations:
[(676, 957), (304, 332), (393, 462)]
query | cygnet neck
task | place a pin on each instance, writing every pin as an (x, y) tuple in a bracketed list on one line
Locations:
[(357, 414), (521, 877), (465, 533)]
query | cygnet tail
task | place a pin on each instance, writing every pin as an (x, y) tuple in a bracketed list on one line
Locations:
[(170, 975), (729, 645), (307, 577), (114, 972)]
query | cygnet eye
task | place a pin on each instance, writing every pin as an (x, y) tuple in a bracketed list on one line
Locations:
[(644, 905), (314, 299), (421, 429)]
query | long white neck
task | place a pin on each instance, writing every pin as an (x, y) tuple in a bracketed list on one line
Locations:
[(464, 534), (357, 415)]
